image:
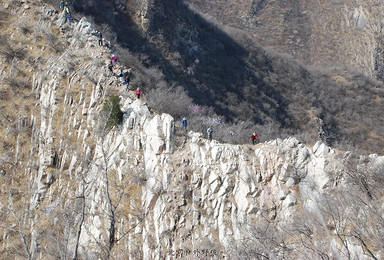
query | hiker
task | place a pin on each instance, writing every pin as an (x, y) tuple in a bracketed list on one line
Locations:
[(62, 3), (254, 136), (69, 18), (66, 9), (66, 14), (322, 134), (184, 123), (113, 59), (209, 133), (100, 38), (127, 79), (110, 67), (121, 76), (138, 93)]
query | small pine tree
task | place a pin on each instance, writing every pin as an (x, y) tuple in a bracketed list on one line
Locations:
[(113, 112)]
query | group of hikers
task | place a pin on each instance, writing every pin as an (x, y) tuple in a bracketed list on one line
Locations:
[(124, 76), (322, 134), (184, 125)]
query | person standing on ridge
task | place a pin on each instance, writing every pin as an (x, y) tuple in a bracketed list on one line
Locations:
[(138, 93), (209, 133), (110, 67), (113, 59), (100, 36), (69, 18), (66, 9), (322, 134), (121, 77), (127, 80), (254, 136), (62, 3), (184, 123), (67, 14)]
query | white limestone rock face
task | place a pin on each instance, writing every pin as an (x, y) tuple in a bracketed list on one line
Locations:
[(224, 181), (320, 149), (360, 18), (196, 193), (84, 27)]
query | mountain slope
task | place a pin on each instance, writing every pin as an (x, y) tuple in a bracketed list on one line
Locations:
[(219, 63)]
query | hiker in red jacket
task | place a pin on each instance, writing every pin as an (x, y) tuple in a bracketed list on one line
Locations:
[(254, 136), (138, 92)]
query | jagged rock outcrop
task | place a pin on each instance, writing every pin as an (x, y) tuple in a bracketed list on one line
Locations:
[(207, 192)]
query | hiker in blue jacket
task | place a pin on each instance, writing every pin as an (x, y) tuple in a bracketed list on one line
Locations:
[(184, 123)]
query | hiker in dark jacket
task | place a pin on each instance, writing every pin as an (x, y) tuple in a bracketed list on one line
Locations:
[(62, 3), (127, 80), (209, 133), (121, 77), (100, 38), (110, 67)]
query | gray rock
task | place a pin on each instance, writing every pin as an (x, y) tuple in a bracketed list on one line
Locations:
[(290, 182), (282, 194), (290, 201), (320, 149)]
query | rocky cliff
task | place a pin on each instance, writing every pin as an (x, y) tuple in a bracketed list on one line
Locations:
[(148, 190)]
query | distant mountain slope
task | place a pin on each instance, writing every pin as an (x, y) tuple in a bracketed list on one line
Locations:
[(315, 32)]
